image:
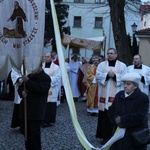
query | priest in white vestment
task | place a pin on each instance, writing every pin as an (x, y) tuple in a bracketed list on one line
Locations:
[(108, 76), (54, 72), (73, 76), (143, 70)]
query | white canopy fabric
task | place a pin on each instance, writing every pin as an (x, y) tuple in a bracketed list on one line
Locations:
[(94, 43)]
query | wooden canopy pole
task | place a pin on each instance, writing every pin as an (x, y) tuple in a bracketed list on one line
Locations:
[(25, 105)]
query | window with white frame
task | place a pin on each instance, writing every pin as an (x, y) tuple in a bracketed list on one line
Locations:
[(77, 21), (78, 1), (99, 1), (98, 22)]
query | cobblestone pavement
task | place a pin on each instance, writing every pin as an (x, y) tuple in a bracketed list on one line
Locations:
[(62, 136)]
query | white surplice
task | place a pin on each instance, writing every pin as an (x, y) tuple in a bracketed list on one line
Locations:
[(14, 76), (55, 75), (145, 72)]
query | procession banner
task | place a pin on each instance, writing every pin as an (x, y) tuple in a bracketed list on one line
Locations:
[(22, 32), (68, 92)]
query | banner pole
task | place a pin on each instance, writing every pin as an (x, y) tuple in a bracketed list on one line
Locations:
[(25, 105)]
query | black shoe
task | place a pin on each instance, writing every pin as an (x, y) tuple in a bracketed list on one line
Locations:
[(44, 125), (98, 136), (52, 124), (104, 142), (93, 114), (75, 99)]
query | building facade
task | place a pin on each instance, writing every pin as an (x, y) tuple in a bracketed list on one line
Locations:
[(144, 33), (91, 18)]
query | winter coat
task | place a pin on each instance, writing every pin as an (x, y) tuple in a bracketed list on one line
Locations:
[(37, 90), (133, 111)]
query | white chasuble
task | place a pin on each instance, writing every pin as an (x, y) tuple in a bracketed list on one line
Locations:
[(108, 88)]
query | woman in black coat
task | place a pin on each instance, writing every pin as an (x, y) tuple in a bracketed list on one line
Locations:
[(129, 110)]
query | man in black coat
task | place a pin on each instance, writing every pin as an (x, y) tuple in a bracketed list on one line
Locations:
[(130, 111), (37, 85)]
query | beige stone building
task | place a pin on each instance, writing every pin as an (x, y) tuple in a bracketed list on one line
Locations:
[(144, 33), (144, 45)]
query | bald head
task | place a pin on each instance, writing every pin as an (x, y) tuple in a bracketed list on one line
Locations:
[(48, 57)]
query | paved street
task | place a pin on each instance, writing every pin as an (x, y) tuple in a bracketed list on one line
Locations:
[(62, 136)]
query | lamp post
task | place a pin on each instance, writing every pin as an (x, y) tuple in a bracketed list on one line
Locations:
[(134, 27), (135, 48)]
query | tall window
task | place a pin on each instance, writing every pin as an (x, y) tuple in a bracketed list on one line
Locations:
[(98, 22), (77, 21), (99, 1), (78, 1), (75, 50)]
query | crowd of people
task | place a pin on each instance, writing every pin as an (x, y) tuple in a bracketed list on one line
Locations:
[(118, 94)]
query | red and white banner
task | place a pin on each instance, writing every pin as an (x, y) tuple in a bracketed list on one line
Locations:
[(22, 25)]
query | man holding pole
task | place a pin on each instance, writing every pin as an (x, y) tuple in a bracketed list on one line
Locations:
[(37, 85)]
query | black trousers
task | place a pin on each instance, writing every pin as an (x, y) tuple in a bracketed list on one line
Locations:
[(50, 114), (33, 135), (104, 126), (63, 94), (15, 122)]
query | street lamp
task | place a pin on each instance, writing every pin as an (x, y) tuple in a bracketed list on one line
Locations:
[(134, 27), (134, 41)]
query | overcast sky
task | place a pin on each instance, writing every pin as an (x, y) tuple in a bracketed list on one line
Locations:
[(145, 0)]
